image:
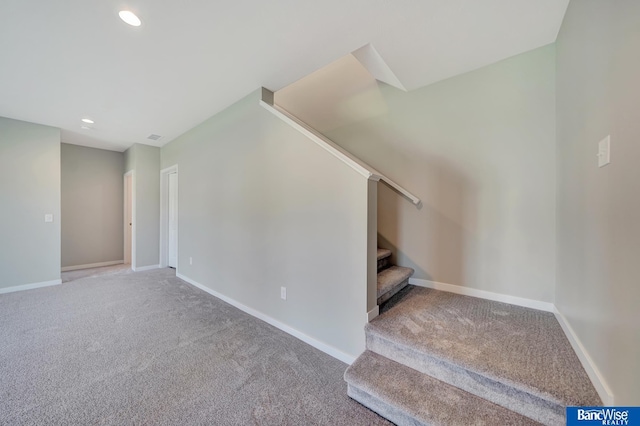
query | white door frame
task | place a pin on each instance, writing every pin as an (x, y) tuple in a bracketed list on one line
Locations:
[(164, 214), (132, 175)]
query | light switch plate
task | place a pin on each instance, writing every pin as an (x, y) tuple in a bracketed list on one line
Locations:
[(283, 293), (48, 217), (604, 152)]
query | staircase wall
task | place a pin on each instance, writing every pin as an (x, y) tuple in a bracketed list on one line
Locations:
[(477, 149), (262, 207)]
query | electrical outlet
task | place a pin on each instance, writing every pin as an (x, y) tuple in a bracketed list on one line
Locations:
[(48, 217), (191, 261), (283, 293), (604, 152)]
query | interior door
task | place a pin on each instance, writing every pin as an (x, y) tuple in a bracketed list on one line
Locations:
[(172, 260), (128, 219)]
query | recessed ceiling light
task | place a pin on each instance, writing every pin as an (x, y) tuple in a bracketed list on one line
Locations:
[(87, 120), (130, 18), (85, 127)]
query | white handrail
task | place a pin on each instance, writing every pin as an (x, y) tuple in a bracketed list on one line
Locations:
[(361, 167)]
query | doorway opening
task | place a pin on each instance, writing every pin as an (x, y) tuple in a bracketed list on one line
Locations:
[(129, 220), (169, 217)]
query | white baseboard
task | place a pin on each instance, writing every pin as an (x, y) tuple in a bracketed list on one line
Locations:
[(30, 286), (373, 313), (91, 265), (145, 268), (482, 294), (587, 363), (328, 349)]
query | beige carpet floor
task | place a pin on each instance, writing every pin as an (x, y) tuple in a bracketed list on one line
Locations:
[(149, 349)]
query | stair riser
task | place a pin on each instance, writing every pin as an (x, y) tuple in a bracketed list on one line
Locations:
[(385, 410), (538, 409), (384, 263), (388, 295)]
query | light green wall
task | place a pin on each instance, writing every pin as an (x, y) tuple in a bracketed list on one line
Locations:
[(144, 160), (29, 189), (92, 205), (260, 207), (598, 67), (478, 149), (130, 158)]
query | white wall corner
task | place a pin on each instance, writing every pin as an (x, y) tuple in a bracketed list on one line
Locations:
[(373, 313), (482, 294), (377, 66), (328, 349), (603, 389), (30, 286)]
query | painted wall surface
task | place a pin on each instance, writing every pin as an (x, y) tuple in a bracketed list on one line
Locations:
[(478, 149), (130, 158), (147, 205), (598, 217), (92, 205), (260, 207), (144, 160), (29, 189)]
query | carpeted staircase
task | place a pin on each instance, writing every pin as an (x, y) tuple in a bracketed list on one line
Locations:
[(438, 358), (391, 279)]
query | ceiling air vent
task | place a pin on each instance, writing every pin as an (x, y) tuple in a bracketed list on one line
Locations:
[(154, 137)]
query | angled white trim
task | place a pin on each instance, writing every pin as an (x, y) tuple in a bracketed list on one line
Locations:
[(30, 286), (373, 313), (603, 389), (91, 265), (145, 268), (328, 349), (482, 294), (369, 57), (331, 147)]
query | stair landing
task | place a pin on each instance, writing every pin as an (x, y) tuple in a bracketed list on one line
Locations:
[(516, 357)]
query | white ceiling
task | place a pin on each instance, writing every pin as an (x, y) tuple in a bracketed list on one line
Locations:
[(64, 60)]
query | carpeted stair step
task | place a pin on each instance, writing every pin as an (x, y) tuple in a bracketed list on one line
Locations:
[(407, 397), (515, 357), (391, 281), (384, 259)]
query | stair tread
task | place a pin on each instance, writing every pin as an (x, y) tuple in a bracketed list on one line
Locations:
[(524, 349), (391, 277), (382, 253), (415, 396)]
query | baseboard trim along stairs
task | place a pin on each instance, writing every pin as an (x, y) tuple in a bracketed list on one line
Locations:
[(439, 358)]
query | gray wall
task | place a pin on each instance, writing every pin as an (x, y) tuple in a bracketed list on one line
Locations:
[(598, 291), (144, 160), (478, 149), (29, 189), (92, 205), (260, 207)]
